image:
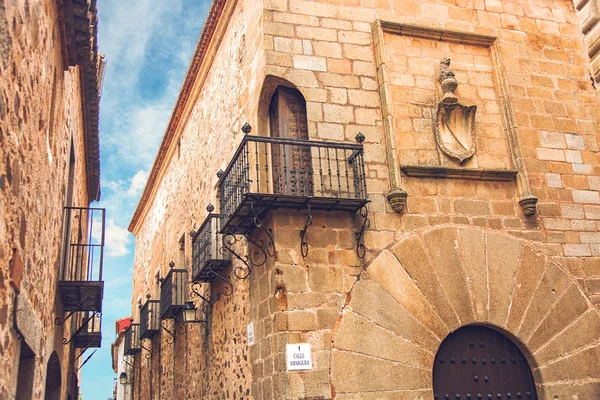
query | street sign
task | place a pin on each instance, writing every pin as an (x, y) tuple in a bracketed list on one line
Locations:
[(250, 334), (298, 357)]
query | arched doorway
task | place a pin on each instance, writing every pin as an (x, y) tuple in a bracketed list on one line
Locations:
[(53, 378), (476, 362), (292, 163)]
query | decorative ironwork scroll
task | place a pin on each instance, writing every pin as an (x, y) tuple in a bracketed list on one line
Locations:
[(360, 235), (207, 305), (307, 223)]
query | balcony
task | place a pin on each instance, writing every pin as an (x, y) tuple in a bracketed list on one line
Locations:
[(208, 257), (132, 344), (173, 292), (269, 173), (149, 318), (80, 277), (90, 333)]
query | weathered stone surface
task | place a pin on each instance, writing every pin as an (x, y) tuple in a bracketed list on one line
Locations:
[(411, 253), (472, 245), (503, 255), (531, 269), (554, 282), (353, 373), (579, 334), (585, 363), (445, 255), (387, 271), (378, 306), (463, 250), (566, 310), (359, 335)]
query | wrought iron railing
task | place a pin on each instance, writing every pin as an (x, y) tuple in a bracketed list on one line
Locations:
[(83, 244), (208, 255), (86, 328), (80, 276), (292, 173), (173, 292), (131, 344), (149, 318)]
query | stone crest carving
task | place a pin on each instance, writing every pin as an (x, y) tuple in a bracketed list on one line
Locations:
[(454, 122)]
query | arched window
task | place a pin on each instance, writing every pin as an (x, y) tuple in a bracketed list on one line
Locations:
[(476, 362), (53, 378), (292, 164)]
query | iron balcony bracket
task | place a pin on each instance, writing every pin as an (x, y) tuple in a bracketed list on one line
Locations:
[(86, 360), (169, 332), (212, 274), (360, 235), (81, 328), (307, 223), (125, 361), (80, 354), (58, 321), (270, 245), (148, 355), (228, 241), (207, 306)]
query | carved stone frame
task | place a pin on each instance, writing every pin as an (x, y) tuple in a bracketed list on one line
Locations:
[(397, 195)]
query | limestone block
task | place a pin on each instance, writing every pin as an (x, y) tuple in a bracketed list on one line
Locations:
[(355, 373), (578, 335), (446, 257), (570, 390), (532, 267), (387, 271), (414, 258), (359, 335), (503, 261), (566, 310), (585, 363), (474, 263), (552, 285), (375, 304)]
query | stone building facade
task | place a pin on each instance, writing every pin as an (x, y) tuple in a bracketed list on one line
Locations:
[(50, 74), (481, 222)]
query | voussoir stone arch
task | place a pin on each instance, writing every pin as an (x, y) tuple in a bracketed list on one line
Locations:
[(414, 294)]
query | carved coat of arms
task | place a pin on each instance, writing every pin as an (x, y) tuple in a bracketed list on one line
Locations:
[(454, 122)]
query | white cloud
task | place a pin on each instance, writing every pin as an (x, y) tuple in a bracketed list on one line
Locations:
[(117, 239), (137, 183)]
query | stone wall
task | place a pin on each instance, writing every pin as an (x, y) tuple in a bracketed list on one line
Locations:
[(201, 363), (462, 252), (40, 116)]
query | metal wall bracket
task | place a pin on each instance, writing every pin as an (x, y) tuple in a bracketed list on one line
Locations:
[(147, 355), (307, 223), (168, 331), (84, 325), (125, 361), (58, 321), (240, 272), (269, 249), (86, 360), (207, 306), (360, 235)]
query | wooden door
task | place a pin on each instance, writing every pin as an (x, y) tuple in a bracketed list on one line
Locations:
[(477, 362), (292, 163)]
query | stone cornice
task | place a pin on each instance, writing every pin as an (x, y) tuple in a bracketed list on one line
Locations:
[(200, 61), (78, 26)]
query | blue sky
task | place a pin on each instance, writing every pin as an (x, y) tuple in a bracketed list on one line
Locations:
[(148, 45)]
